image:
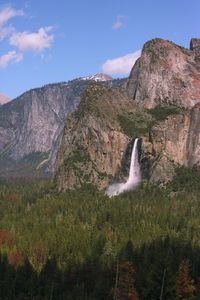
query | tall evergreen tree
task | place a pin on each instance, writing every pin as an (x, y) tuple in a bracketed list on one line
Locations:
[(125, 283), (185, 287)]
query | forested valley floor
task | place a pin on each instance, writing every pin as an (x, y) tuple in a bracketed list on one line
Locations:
[(83, 245)]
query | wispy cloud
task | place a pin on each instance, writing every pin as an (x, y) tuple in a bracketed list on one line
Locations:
[(119, 23), (33, 41), (121, 65), (5, 31), (23, 41), (6, 14), (10, 57)]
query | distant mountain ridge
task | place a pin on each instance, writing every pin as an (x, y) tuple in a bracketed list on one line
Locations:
[(99, 77), (4, 99), (31, 125)]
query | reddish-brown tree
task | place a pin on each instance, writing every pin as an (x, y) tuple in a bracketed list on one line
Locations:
[(6, 238), (15, 258), (13, 198), (124, 285), (185, 287)]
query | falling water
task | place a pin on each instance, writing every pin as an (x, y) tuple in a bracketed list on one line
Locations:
[(134, 177)]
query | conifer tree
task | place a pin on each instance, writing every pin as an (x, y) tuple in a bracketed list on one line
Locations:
[(124, 287), (185, 287)]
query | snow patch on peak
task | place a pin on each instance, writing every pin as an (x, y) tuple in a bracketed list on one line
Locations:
[(98, 77)]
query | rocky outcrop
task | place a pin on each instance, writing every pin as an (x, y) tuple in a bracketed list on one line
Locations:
[(195, 45), (93, 143), (31, 126), (96, 149), (166, 73), (172, 143)]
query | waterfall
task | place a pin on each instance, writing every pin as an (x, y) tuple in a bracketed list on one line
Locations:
[(134, 177), (134, 171)]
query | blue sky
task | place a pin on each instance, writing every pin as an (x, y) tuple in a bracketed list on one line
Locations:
[(44, 41)]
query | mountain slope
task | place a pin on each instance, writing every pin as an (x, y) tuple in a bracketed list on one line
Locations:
[(31, 126), (98, 138), (99, 77), (93, 144)]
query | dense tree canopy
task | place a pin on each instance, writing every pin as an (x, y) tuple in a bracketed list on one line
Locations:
[(67, 245)]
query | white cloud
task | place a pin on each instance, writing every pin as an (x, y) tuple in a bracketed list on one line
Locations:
[(121, 65), (10, 57), (7, 13), (33, 41), (119, 23), (23, 41), (5, 31)]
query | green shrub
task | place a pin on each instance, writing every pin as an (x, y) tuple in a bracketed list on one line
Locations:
[(133, 127), (78, 156), (160, 113), (186, 179)]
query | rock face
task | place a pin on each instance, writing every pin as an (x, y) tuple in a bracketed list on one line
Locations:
[(166, 73), (31, 126), (172, 143), (195, 45), (93, 143)]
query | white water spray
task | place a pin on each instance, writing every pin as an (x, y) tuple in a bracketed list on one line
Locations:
[(134, 177)]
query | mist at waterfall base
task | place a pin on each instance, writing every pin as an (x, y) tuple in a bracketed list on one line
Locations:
[(134, 177)]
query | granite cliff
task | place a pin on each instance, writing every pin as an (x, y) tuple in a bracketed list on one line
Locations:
[(172, 143), (166, 73), (31, 126), (159, 104), (93, 144)]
